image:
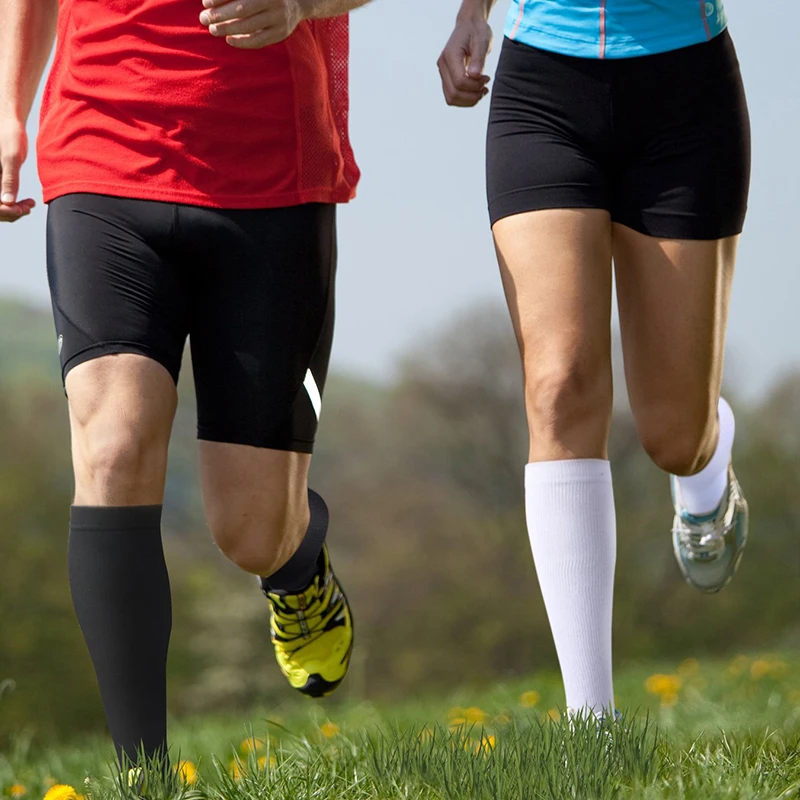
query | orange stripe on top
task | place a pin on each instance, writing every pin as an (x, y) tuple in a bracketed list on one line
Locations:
[(519, 19), (705, 19), (603, 29)]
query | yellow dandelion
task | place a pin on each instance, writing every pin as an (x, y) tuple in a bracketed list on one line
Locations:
[(663, 684), (778, 669), (759, 669), (669, 699), (262, 762), (17, 790), (456, 717), (687, 667), (474, 715), (329, 730), (529, 699), (61, 791), (187, 772), (554, 714), (486, 744), (250, 745), (738, 665), (236, 769)]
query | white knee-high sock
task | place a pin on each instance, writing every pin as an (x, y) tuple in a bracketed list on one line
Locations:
[(572, 528), (702, 493)]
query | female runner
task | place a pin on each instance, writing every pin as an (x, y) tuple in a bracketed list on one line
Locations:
[(618, 133)]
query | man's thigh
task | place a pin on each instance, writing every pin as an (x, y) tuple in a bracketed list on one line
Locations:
[(116, 281), (262, 323)]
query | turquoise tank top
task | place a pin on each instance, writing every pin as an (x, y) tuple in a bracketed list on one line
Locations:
[(614, 28)]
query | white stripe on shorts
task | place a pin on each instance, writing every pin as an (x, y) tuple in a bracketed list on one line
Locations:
[(313, 393)]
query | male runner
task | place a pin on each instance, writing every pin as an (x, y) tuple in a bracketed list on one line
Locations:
[(192, 153), (618, 130)]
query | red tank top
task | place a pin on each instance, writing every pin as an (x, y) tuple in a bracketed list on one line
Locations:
[(143, 102)]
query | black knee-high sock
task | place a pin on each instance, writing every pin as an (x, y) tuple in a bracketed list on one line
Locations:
[(298, 572), (120, 590)]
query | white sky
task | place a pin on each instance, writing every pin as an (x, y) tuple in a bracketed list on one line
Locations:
[(415, 246)]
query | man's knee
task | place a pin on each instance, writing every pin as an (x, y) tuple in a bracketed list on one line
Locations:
[(260, 541), (118, 459), (121, 417)]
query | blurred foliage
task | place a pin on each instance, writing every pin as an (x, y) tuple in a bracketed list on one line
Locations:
[(424, 481)]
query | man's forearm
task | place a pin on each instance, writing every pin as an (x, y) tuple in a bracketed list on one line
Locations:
[(476, 8), (322, 9), (27, 30)]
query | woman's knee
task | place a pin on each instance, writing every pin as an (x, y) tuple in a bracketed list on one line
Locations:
[(678, 440), (569, 404)]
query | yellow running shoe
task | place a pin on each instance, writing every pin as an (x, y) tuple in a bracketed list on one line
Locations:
[(312, 632)]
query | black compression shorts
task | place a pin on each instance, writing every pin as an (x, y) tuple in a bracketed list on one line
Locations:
[(661, 141), (252, 289)]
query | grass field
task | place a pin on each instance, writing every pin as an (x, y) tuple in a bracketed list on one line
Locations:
[(710, 731)]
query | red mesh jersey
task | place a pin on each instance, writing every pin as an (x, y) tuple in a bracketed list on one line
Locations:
[(143, 102)]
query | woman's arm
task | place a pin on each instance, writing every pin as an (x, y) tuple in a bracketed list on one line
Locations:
[(463, 58)]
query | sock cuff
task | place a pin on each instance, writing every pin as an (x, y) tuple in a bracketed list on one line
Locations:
[(727, 421), (298, 572), (583, 470), (116, 518)]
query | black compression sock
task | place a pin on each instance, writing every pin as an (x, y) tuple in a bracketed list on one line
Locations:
[(298, 572), (120, 590)]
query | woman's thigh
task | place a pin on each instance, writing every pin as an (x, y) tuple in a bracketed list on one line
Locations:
[(556, 270)]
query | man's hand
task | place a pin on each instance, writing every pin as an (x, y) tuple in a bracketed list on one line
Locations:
[(462, 61), (13, 151), (252, 24)]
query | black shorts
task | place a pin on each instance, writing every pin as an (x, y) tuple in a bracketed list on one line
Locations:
[(662, 142), (252, 289)]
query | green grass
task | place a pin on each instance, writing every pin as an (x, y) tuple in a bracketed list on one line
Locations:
[(716, 731)]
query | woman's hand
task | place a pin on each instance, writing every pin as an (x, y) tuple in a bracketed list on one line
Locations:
[(462, 62)]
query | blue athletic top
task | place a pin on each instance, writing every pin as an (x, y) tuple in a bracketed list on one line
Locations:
[(614, 28)]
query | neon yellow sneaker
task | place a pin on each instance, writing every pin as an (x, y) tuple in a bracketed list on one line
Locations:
[(312, 632)]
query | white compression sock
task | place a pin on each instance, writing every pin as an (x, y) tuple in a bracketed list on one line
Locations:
[(572, 528), (702, 493)]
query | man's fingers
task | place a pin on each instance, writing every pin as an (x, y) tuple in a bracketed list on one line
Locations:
[(255, 41), (255, 24), (237, 9), (10, 164), (15, 211)]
